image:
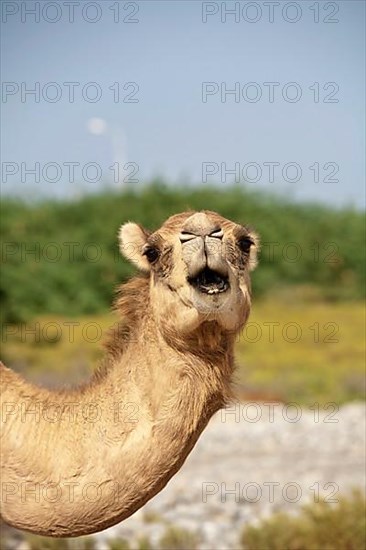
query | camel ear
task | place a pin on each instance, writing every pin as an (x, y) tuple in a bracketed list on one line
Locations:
[(254, 249), (132, 239)]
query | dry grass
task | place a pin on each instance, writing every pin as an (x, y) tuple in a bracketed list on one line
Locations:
[(326, 364), (318, 526)]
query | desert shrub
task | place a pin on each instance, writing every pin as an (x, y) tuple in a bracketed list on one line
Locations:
[(36, 542), (118, 543), (318, 526), (144, 543), (152, 516), (176, 538)]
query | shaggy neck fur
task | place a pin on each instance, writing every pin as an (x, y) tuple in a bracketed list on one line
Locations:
[(80, 461)]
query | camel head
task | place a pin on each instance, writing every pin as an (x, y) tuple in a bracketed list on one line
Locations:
[(198, 264)]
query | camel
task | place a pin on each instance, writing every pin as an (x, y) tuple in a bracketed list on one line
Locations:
[(77, 461)]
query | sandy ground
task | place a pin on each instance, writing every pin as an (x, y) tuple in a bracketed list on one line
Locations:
[(254, 459)]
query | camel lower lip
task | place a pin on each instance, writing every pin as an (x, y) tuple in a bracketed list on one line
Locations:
[(210, 282)]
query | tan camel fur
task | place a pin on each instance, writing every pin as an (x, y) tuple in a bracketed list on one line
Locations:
[(75, 462)]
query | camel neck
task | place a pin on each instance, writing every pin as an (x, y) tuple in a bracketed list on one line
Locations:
[(118, 440)]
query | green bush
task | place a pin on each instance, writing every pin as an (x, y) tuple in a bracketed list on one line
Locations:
[(62, 257), (319, 526)]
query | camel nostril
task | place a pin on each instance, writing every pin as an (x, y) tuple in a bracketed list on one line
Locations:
[(217, 234), (186, 236)]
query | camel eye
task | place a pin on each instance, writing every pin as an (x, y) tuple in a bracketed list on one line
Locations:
[(152, 254), (244, 244)]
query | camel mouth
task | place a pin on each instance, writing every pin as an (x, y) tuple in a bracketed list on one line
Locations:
[(210, 282)]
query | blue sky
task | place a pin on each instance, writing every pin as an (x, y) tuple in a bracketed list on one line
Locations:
[(316, 143)]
